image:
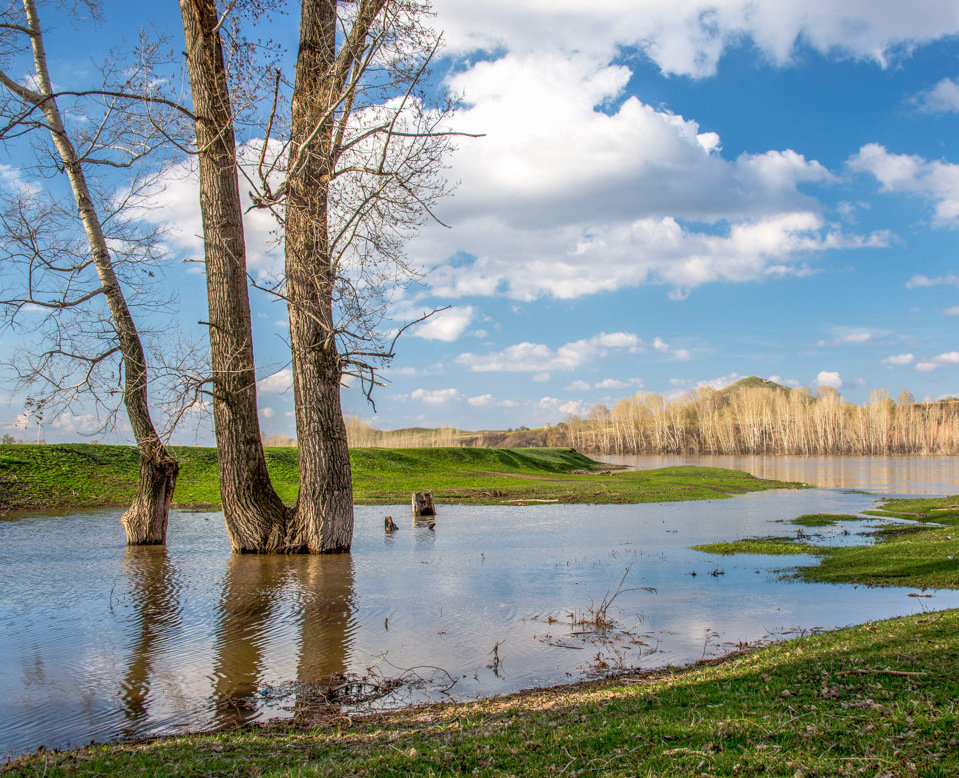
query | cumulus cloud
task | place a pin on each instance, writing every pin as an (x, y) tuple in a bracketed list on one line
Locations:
[(920, 281), (176, 205), (75, 424), (447, 325), (267, 413), (936, 181), (489, 401), (576, 188), (899, 359), (952, 311), (829, 378), (435, 396), (568, 407), (536, 357), (572, 261), (941, 98), (280, 381), (689, 38)]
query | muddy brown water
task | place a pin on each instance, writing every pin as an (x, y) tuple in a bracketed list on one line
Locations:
[(100, 642)]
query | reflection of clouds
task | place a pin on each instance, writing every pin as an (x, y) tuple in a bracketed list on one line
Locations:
[(197, 635)]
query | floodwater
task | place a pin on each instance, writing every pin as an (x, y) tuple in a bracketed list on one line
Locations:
[(99, 641), (905, 475)]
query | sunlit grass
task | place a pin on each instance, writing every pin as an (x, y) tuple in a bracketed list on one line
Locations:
[(87, 475), (921, 553)]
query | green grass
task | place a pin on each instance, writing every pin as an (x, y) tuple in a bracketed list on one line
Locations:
[(879, 699), (87, 475), (923, 553), (823, 519)]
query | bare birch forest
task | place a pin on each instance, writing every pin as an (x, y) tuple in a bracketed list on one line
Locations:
[(750, 417)]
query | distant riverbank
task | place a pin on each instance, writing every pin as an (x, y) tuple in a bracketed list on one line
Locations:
[(92, 475)]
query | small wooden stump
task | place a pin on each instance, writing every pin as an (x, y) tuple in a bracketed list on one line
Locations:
[(423, 504), (390, 524)]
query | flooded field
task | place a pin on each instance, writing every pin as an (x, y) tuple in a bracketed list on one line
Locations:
[(98, 641)]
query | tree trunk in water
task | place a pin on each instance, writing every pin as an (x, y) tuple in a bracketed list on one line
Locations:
[(145, 522), (323, 522), (255, 516)]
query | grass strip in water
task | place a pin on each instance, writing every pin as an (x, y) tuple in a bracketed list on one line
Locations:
[(90, 475), (876, 700), (823, 519), (923, 553)]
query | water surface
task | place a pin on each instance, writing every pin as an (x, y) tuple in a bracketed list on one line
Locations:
[(100, 641)]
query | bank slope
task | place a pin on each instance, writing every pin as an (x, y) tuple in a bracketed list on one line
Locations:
[(89, 475)]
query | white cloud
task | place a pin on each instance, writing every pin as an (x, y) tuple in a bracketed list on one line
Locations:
[(569, 407), (934, 363), (681, 355), (611, 383), (829, 378), (920, 281), (176, 206), (689, 37), (575, 260), (660, 345), (852, 336), (280, 381), (941, 98), (536, 357), (578, 386), (446, 325), (574, 190), (953, 311), (541, 378), (488, 401), (899, 359), (267, 413), (75, 424), (435, 396), (936, 181)]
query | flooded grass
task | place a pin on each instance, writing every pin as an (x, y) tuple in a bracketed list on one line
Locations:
[(823, 519), (878, 699), (923, 553)]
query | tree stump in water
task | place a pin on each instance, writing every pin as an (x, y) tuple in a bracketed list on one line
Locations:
[(423, 504), (390, 524)]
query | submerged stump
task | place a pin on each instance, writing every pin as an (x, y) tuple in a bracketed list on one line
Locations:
[(423, 504)]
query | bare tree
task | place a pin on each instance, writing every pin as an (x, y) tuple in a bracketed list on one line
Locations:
[(255, 516), (350, 171), (363, 170), (69, 260)]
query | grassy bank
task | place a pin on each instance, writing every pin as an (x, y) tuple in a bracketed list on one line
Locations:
[(876, 700), (924, 552), (87, 475)]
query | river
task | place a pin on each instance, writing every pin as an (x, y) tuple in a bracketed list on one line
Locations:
[(99, 641)]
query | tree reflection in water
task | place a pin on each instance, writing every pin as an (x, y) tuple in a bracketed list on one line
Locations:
[(273, 596), (154, 590)]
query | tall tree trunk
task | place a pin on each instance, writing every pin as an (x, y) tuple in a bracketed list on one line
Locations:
[(145, 521), (254, 514), (323, 522)]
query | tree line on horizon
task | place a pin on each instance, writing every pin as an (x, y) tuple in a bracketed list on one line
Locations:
[(743, 419)]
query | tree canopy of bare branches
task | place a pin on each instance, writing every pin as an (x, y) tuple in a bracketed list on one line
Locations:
[(72, 254)]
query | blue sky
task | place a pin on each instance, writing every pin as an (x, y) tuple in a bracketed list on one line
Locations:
[(666, 195)]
